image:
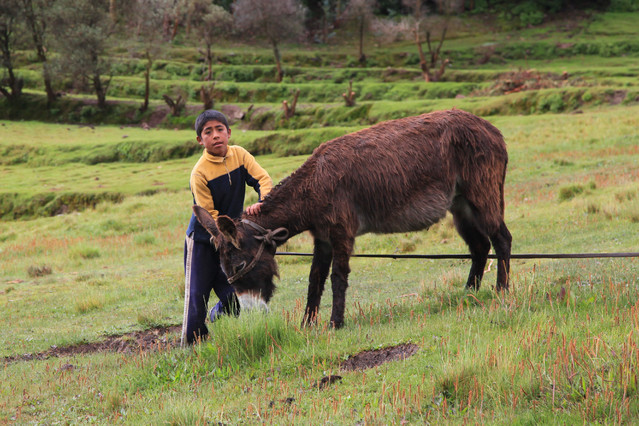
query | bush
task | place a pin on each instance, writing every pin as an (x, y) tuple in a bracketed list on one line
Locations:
[(238, 74), (38, 271), (623, 5), (552, 103), (87, 113), (571, 191), (529, 13)]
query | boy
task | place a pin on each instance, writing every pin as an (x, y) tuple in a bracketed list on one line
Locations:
[(218, 182)]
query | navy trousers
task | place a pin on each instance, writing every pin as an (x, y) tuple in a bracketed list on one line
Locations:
[(203, 273)]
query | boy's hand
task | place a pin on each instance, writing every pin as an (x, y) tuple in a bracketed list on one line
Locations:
[(254, 209)]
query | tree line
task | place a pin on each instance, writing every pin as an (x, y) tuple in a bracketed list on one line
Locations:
[(70, 38)]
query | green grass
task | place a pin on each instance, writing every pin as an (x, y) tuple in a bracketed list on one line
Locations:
[(539, 353), (500, 359)]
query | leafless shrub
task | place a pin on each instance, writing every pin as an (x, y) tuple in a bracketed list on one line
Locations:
[(349, 95), (207, 96), (388, 30), (38, 271), (289, 109), (275, 21), (177, 105)]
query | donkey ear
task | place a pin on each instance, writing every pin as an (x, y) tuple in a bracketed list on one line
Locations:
[(207, 221), (229, 230)]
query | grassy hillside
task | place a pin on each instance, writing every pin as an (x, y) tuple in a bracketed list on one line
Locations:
[(567, 65), (92, 221)]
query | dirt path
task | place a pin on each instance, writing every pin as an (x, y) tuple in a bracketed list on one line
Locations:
[(163, 338), (138, 341)]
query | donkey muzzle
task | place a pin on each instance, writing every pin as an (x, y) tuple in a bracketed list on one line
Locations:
[(251, 301)]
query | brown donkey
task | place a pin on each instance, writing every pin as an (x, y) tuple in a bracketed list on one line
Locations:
[(397, 176)]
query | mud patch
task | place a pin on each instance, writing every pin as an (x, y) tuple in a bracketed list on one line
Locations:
[(617, 97), (524, 80), (374, 358), (140, 341), (327, 380), (164, 338)]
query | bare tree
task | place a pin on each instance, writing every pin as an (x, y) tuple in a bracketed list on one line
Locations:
[(275, 20), (349, 95), (360, 13), (289, 109), (320, 17), (207, 96), (451, 6), (325, 7), (113, 10), (149, 15), (82, 28), (10, 86), (177, 105), (36, 14), (175, 12), (434, 66), (214, 24)]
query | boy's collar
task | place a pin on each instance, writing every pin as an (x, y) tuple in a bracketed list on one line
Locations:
[(215, 158)]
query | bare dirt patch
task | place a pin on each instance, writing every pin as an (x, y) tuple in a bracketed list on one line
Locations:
[(524, 80), (158, 115), (373, 358), (327, 380), (140, 341), (164, 338), (369, 359), (617, 97)]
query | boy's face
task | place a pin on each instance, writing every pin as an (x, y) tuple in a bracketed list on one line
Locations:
[(215, 138)]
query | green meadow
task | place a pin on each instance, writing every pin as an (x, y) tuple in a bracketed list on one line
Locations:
[(92, 222)]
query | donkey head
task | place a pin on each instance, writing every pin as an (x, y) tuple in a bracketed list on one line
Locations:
[(247, 255)]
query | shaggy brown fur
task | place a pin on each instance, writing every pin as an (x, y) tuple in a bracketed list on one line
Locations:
[(397, 176)]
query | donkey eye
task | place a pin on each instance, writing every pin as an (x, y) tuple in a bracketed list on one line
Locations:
[(239, 267)]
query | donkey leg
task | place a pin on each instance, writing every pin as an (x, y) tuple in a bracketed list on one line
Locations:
[(502, 242), (322, 257), (339, 279), (477, 241)]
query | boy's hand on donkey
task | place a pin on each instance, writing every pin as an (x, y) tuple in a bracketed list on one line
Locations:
[(254, 209)]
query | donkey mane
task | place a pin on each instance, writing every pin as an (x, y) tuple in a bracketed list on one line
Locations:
[(376, 171)]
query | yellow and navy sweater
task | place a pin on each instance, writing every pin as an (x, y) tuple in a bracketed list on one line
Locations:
[(218, 184)]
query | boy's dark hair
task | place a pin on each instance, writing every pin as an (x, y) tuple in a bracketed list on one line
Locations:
[(206, 116)]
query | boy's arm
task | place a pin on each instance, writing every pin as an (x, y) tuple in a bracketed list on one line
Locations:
[(262, 181), (202, 194)]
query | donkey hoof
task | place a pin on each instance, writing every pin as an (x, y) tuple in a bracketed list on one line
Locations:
[(337, 324), (308, 322)]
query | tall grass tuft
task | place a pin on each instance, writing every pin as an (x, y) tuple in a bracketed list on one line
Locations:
[(85, 252), (145, 239), (38, 271), (233, 343), (88, 304), (151, 318), (570, 191), (251, 338)]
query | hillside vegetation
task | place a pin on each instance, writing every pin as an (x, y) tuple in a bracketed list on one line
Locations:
[(531, 71), (565, 66)]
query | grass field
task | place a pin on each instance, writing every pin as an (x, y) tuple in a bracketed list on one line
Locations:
[(561, 343), (91, 245)]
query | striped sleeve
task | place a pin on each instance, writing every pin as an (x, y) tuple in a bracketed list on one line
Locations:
[(264, 182), (202, 194)]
